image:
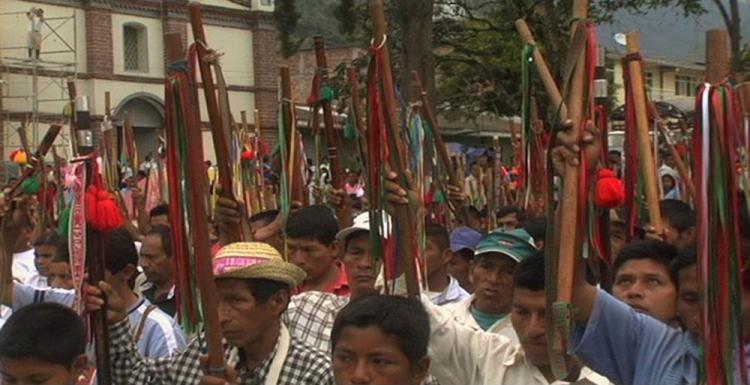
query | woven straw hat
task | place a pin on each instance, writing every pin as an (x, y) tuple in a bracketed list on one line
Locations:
[(255, 260)]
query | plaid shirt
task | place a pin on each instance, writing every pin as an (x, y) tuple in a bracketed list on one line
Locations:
[(303, 364), (310, 317)]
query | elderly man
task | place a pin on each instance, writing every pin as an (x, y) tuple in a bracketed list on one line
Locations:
[(254, 285)]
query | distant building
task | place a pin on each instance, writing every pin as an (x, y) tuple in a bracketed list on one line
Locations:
[(119, 46)]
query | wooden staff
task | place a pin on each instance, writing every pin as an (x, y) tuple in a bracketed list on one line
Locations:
[(570, 240), (297, 186), (648, 167), (442, 150), (36, 159), (403, 215), (73, 128), (218, 129), (543, 70), (358, 115), (259, 164), (322, 63)]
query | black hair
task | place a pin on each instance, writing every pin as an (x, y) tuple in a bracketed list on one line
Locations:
[(536, 227), (120, 250), (266, 217), (403, 318), (48, 238), (529, 273), (47, 332), (507, 210), (162, 209), (465, 254), (657, 251), (678, 214), (685, 258), (313, 222), (438, 234), (165, 234)]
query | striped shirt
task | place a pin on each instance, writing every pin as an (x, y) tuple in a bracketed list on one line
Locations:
[(160, 335)]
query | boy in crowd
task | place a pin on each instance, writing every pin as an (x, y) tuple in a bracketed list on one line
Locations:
[(43, 344), (156, 333), (443, 289), (509, 217), (381, 340), (496, 256), (463, 242), (643, 280), (45, 249), (311, 245), (60, 276)]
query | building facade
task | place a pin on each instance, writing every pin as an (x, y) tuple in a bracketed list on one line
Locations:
[(118, 46)]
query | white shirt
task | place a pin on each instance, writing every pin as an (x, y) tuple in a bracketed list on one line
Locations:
[(38, 281), (23, 269), (452, 293), (461, 313), (461, 355)]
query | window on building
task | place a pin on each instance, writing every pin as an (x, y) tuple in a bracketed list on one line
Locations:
[(135, 46), (266, 2), (649, 83), (685, 85)]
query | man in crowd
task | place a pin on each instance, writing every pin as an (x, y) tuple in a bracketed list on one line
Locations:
[(679, 223), (442, 288), (311, 245), (45, 249), (496, 257), (254, 285), (509, 217), (463, 241), (157, 261)]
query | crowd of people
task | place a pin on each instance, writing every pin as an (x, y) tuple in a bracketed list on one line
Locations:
[(305, 304)]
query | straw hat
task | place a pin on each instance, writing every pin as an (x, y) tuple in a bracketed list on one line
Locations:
[(255, 260)]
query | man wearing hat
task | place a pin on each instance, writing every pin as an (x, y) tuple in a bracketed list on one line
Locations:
[(254, 285), (491, 274)]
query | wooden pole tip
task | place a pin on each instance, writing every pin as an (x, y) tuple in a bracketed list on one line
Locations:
[(633, 40), (718, 55)]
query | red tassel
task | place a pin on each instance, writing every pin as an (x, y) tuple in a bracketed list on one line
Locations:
[(610, 191), (102, 212), (248, 155)]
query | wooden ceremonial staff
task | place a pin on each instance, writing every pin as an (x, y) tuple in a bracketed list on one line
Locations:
[(648, 166), (331, 138), (218, 131), (36, 159), (744, 91), (198, 194), (442, 151), (570, 222), (403, 218), (294, 158), (73, 126), (261, 178), (543, 70), (679, 162), (356, 111)]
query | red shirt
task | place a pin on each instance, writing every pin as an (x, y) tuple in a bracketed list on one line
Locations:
[(339, 286)]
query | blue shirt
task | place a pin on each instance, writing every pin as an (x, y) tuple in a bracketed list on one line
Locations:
[(160, 337), (631, 348)]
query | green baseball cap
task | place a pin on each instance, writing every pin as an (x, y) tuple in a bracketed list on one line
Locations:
[(517, 244)]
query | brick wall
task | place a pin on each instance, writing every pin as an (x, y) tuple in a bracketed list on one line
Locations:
[(302, 68), (266, 62), (99, 57), (173, 25)]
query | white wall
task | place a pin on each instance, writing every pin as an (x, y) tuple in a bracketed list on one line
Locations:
[(155, 45)]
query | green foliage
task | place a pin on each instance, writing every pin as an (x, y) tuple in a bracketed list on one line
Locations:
[(286, 17), (607, 8)]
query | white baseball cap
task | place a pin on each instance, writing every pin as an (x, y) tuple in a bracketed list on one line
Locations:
[(362, 223)]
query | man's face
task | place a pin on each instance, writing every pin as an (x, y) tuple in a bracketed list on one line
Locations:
[(435, 258), (459, 268), (157, 265), (368, 355), (361, 269), (645, 285), (59, 276), (508, 222), (159, 220), (243, 320), (667, 182), (527, 317), (492, 277), (34, 371), (311, 256), (483, 161), (476, 170), (688, 299), (43, 255)]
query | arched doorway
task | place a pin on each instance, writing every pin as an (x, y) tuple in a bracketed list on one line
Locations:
[(147, 111)]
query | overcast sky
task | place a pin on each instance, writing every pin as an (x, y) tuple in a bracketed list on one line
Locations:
[(667, 34)]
